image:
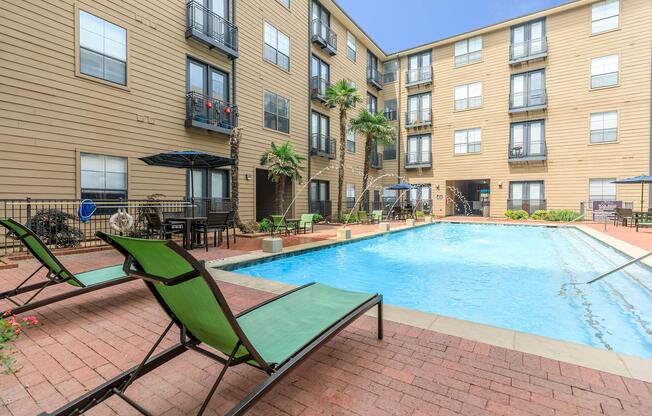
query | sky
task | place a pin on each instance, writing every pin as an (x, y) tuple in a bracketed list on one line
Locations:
[(397, 25)]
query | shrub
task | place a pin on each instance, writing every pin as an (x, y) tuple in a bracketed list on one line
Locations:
[(420, 214), (348, 218), (10, 329), (539, 214), (53, 228), (249, 227), (264, 225), (563, 215), (316, 218), (509, 213), (517, 215)]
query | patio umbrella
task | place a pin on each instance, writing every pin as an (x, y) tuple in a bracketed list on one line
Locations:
[(188, 159), (400, 186), (642, 179)]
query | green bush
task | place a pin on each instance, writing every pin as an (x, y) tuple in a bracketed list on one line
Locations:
[(264, 225), (316, 218), (517, 215), (509, 213), (563, 215), (420, 214), (348, 218), (539, 214)]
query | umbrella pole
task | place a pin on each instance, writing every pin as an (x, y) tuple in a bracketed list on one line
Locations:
[(642, 187)]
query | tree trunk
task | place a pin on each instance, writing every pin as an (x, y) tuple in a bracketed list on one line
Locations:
[(280, 195), (365, 174), (235, 183), (340, 177)]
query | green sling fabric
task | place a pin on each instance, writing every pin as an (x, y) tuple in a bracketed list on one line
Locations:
[(306, 220), (94, 277), (377, 214), (192, 301), (281, 328)]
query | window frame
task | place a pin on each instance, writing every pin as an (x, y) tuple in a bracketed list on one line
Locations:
[(322, 118), (350, 50), (477, 144), (420, 150), (394, 72), (468, 98), (349, 135), (105, 190), (283, 3), (617, 72), (527, 38), (277, 116), (527, 137), (92, 11), (275, 48), (468, 60), (527, 90), (372, 98), (604, 180), (207, 81), (593, 20), (419, 108), (617, 129)]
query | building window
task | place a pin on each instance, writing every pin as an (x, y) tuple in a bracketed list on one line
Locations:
[(605, 16), (102, 49), (419, 68), (528, 196), (372, 68), (389, 151), (277, 47), (277, 112), (350, 141), (285, 3), (350, 46), (528, 40), (527, 139), (528, 90), (391, 109), (418, 109), (468, 141), (602, 189), (468, 96), (103, 177), (320, 127), (604, 71), (604, 127), (468, 51), (372, 103), (390, 71), (350, 195), (418, 149)]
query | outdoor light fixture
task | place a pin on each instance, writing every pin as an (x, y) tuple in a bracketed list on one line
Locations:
[(248, 176), (500, 185)]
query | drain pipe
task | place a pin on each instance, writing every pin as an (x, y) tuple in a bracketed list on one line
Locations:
[(309, 98), (398, 117)]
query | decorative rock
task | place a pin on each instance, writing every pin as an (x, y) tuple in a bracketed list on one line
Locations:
[(383, 226), (427, 219), (272, 245), (344, 234), (409, 222)]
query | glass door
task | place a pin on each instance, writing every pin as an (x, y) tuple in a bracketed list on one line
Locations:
[(425, 108), (413, 149), (425, 149), (518, 42), (536, 95), (518, 90), (536, 37)]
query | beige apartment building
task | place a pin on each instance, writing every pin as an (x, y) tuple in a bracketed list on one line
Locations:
[(544, 110)]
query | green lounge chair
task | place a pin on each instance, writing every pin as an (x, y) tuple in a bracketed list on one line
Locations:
[(306, 221), (643, 220), (363, 217), (57, 273), (278, 224), (377, 215), (274, 336)]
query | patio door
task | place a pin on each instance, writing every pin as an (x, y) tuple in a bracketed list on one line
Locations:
[(320, 128), (320, 12), (528, 196), (321, 70), (211, 189), (528, 89), (320, 197), (419, 67)]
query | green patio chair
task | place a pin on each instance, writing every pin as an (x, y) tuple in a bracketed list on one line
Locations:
[(307, 220), (363, 217), (419, 214), (278, 224), (57, 273), (274, 336), (377, 215), (643, 221)]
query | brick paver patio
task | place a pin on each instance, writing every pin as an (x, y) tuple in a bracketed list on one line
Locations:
[(91, 338)]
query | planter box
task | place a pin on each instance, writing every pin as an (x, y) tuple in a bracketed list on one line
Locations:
[(272, 245), (344, 234), (383, 226)]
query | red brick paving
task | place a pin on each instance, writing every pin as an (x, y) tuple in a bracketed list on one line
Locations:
[(86, 340)]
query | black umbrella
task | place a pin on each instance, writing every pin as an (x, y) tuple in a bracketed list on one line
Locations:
[(188, 159), (642, 179)]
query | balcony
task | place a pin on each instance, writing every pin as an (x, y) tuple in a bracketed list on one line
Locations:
[(418, 160), (418, 76), (210, 114), (390, 114), (374, 77), (527, 152), (533, 100), (324, 37), (318, 87), (211, 29), (323, 208), (529, 205), (322, 145), (376, 160), (418, 118), (530, 50)]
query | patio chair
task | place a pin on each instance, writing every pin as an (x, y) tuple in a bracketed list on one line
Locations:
[(643, 221), (278, 223), (623, 216), (57, 273), (274, 336), (164, 230), (363, 217), (215, 222), (377, 215), (306, 221)]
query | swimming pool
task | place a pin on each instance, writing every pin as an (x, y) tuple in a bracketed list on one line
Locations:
[(506, 276)]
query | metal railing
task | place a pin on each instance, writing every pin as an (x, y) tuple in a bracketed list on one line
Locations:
[(390, 114), (530, 48), (418, 118), (528, 99), (529, 205), (374, 76), (415, 159), (418, 75), (207, 112), (214, 28), (57, 223), (324, 35), (324, 208), (323, 145), (318, 87), (376, 160), (527, 150)]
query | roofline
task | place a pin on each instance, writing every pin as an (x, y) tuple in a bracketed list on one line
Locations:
[(359, 27)]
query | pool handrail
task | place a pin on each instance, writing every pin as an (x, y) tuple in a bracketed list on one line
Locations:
[(622, 266)]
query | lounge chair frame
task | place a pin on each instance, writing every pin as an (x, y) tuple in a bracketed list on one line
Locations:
[(51, 278), (275, 372)]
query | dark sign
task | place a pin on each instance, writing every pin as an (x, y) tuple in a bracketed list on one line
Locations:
[(605, 209)]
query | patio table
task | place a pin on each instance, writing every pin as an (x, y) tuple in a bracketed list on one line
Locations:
[(188, 221), (293, 223)]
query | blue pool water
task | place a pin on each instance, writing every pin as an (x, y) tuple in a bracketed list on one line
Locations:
[(507, 276)]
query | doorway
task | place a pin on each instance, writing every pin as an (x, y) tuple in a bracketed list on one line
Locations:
[(468, 197), (266, 196)]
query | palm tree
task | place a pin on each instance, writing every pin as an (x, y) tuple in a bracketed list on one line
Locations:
[(376, 129), (283, 163), (344, 96)]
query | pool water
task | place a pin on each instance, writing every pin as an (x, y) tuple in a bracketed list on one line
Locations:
[(507, 276)]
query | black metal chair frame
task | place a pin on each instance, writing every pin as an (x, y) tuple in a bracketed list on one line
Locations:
[(166, 229), (118, 385)]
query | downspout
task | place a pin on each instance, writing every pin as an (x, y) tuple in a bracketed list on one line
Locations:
[(309, 99), (233, 68), (398, 116)]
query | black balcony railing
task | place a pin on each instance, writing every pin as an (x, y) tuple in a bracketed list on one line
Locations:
[(415, 160), (376, 160), (530, 49), (322, 145), (528, 100), (417, 118), (390, 114), (416, 76), (211, 29), (324, 208), (533, 150), (318, 87), (209, 113), (529, 205), (375, 77), (324, 36)]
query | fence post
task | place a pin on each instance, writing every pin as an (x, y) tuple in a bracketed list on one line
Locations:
[(29, 212)]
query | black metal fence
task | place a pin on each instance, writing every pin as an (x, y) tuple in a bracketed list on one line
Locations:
[(57, 223)]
